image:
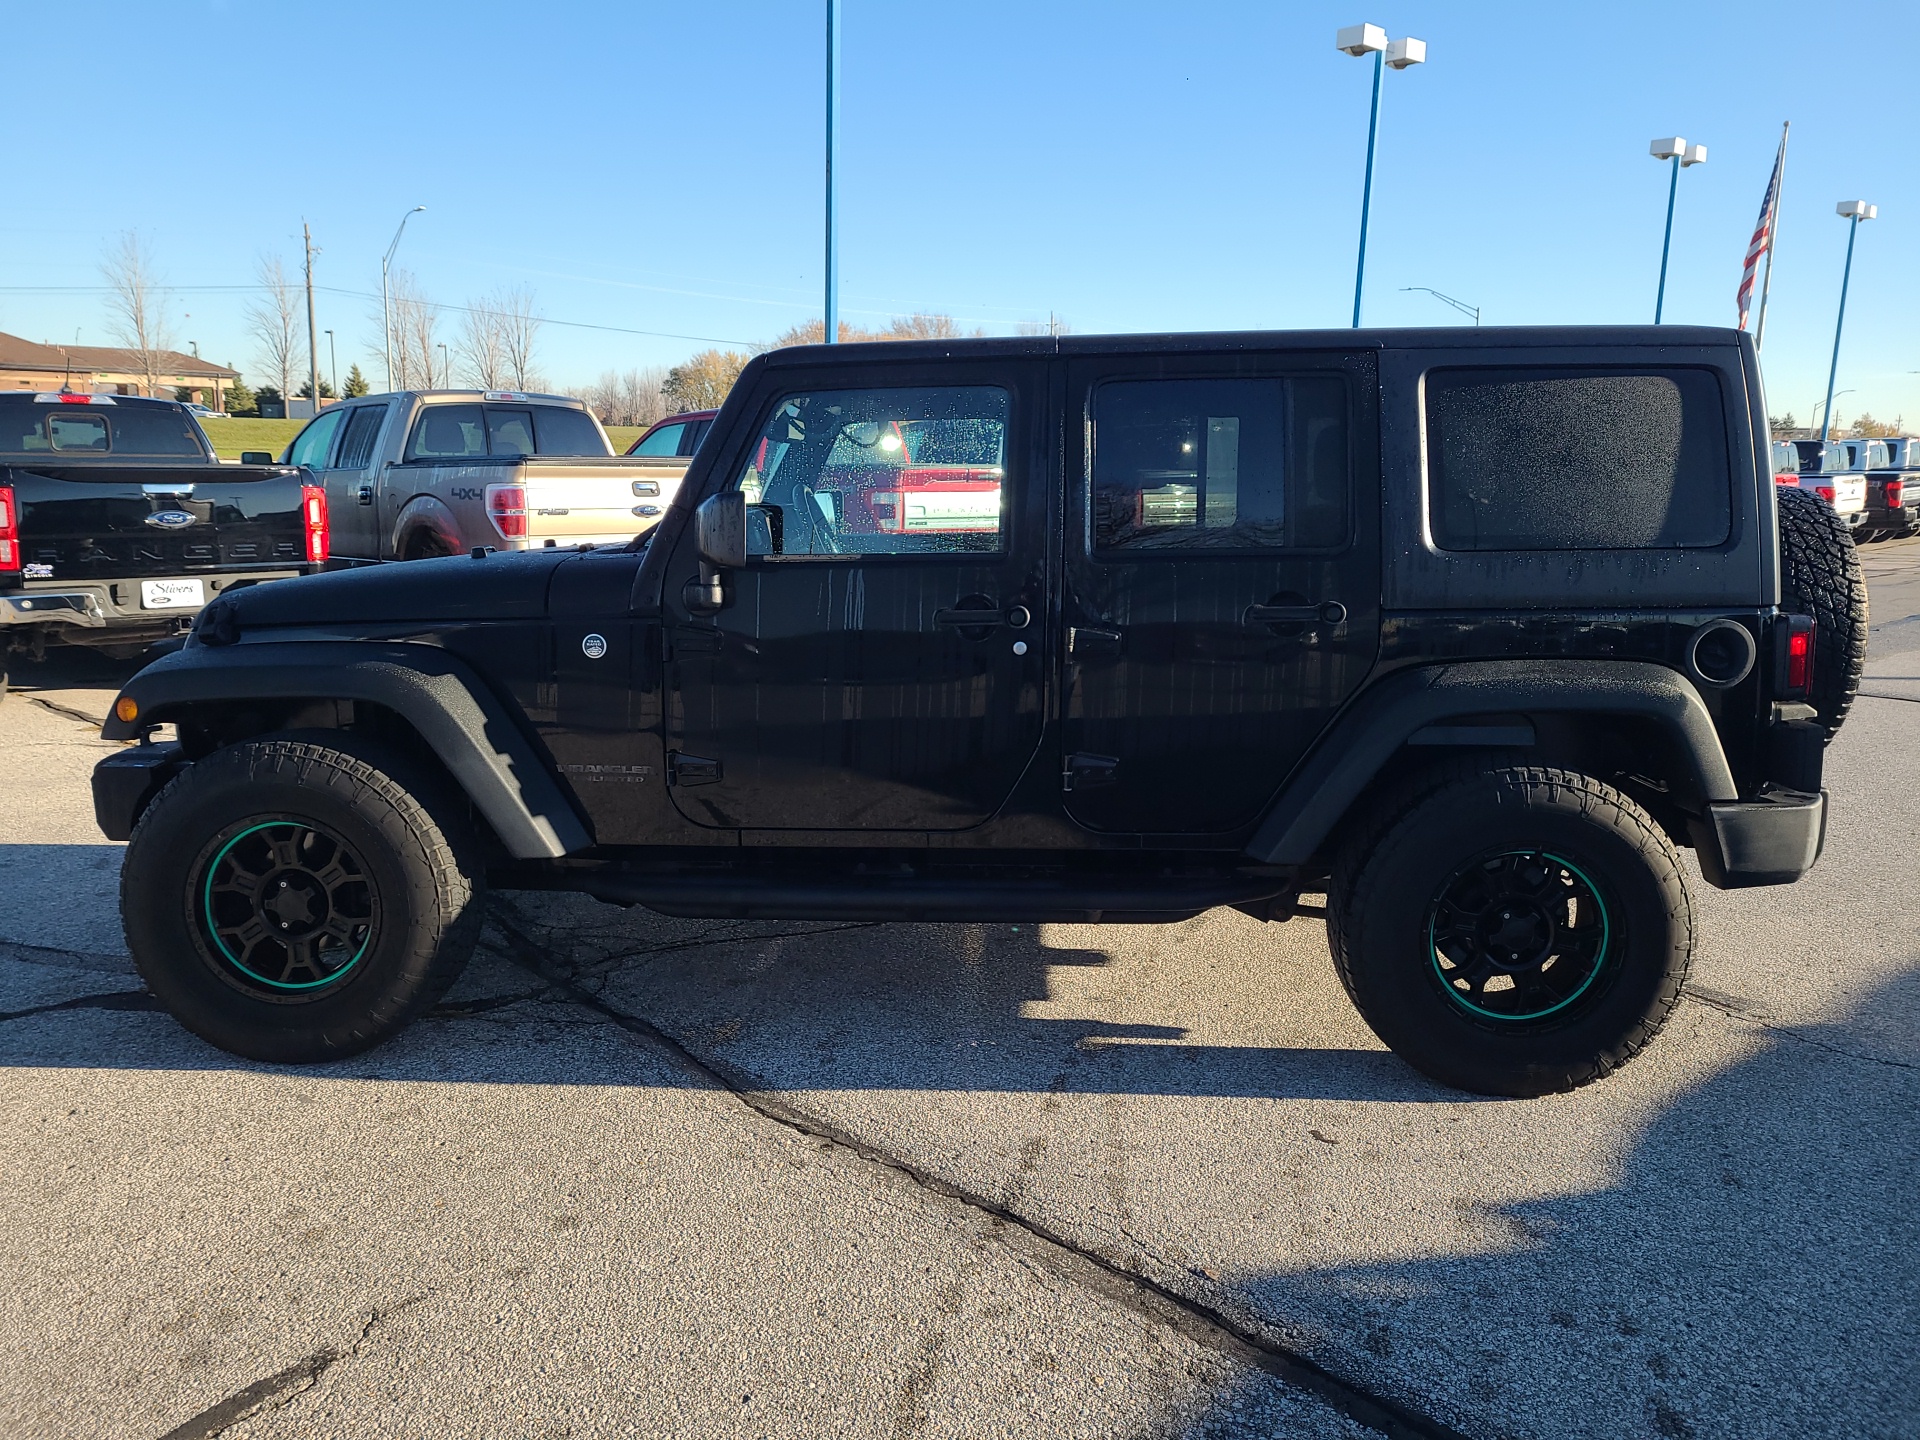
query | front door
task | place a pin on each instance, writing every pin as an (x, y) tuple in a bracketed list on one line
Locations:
[(349, 481), (880, 663), (1222, 580)]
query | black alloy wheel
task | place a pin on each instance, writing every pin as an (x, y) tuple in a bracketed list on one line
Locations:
[(1519, 937), (286, 907)]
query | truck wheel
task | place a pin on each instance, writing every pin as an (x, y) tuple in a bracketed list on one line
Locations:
[(301, 897), (1820, 576), (1516, 931)]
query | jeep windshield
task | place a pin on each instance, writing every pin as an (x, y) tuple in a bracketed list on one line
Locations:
[(47, 427)]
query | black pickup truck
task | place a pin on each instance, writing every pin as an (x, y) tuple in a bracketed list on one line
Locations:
[(1465, 631), (118, 522)]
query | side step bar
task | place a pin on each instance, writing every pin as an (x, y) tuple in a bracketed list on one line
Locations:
[(730, 897)]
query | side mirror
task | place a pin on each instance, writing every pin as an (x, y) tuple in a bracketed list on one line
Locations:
[(256, 457), (720, 530)]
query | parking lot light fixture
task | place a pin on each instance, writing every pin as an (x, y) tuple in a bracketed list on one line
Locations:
[(1853, 212), (1676, 149), (1360, 41), (386, 303), (1460, 305)]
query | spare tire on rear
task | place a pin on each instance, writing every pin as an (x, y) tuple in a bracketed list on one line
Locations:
[(1820, 576)]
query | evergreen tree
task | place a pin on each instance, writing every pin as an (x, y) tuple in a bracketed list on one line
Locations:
[(305, 392), (240, 400), (356, 384)]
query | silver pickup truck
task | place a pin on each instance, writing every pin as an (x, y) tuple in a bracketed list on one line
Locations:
[(421, 473)]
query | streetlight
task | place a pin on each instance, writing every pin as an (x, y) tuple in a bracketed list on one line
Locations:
[(333, 363), (1460, 305), (386, 304), (446, 370), (1853, 212), (1676, 149), (1828, 402), (1357, 41), (833, 144)]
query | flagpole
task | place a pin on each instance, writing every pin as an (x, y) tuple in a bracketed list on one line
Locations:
[(1773, 241)]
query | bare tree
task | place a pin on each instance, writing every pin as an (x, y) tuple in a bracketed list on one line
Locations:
[(274, 321), (630, 398), (138, 307), (415, 337), (519, 328), (921, 325), (482, 346)]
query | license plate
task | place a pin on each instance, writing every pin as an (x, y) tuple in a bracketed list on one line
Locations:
[(172, 594)]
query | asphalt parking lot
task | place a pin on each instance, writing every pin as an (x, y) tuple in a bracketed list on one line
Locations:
[(640, 1176)]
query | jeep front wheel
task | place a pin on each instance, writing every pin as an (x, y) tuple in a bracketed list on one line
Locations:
[(300, 898), (1516, 931)]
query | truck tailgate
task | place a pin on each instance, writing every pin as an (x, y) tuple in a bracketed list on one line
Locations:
[(603, 501), (92, 521)]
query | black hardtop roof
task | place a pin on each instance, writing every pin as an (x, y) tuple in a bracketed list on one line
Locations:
[(1449, 337)]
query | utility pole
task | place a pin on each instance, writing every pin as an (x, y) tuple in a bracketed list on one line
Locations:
[(833, 143), (313, 336)]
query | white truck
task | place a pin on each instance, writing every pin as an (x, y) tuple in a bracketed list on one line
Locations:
[(420, 473)]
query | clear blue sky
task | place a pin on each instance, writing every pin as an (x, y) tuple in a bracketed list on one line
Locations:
[(1129, 166)]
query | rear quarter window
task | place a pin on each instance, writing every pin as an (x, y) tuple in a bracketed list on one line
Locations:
[(1555, 458)]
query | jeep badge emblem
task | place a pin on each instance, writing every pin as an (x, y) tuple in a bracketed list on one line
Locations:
[(594, 646), (170, 519)]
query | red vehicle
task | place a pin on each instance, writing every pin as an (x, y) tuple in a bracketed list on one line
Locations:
[(890, 489), (675, 435)]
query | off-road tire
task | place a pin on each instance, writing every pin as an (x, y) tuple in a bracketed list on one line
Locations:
[(1389, 875), (1820, 576), (410, 839)]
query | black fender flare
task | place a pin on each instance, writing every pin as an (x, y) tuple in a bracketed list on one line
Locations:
[(490, 757), (1387, 715)]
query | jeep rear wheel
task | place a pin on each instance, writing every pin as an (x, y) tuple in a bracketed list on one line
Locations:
[(300, 898), (1820, 576), (1516, 931)]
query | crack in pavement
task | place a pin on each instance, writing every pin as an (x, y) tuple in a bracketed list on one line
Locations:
[(1879, 695), (1202, 1323), (1737, 1009), (107, 1000), (281, 1387), (92, 722)]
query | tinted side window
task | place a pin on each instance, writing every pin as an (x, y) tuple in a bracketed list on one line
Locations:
[(356, 446), (664, 441), (448, 432), (1564, 459), (509, 432), (1219, 464), (560, 431), (912, 470), (311, 445)]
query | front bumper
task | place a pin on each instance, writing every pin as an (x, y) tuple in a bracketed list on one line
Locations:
[(126, 780), (1772, 839)]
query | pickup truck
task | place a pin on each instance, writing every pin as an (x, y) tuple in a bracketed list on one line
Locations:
[(1892, 469), (417, 474), (118, 522), (1827, 470)]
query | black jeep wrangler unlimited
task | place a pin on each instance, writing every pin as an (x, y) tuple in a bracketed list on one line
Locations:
[(1466, 631)]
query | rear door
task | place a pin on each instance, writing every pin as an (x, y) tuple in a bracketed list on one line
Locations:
[(867, 674), (1222, 589)]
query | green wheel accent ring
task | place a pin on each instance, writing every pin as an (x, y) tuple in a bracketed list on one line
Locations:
[(1599, 961), (206, 906)]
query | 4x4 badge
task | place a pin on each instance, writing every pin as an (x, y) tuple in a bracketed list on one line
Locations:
[(594, 646)]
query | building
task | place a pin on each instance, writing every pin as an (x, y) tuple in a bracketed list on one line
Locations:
[(109, 370)]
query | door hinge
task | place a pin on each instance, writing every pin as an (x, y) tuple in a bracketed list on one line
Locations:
[(1088, 772), (1083, 641), (692, 770)]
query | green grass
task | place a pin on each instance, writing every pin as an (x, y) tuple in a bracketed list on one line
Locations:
[(624, 435), (230, 436)]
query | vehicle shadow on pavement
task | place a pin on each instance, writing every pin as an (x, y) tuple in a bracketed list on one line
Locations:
[(1754, 1271)]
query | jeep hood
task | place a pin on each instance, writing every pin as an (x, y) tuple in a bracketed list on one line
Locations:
[(502, 586)]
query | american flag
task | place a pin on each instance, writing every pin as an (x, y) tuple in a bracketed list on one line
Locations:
[(1762, 240)]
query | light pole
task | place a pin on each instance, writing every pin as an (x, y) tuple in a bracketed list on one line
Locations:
[(833, 145), (333, 364), (1827, 404), (1853, 212), (446, 370), (386, 304), (1358, 41), (1460, 305), (1676, 149)]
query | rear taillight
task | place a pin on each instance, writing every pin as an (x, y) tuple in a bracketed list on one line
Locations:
[(313, 512), (1787, 477), (507, 508), (1825, 492), (1896, 491), (9, 530), (1793, 656)]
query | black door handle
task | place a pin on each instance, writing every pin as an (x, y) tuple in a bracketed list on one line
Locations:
[(981, 619), (1329, 613)]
